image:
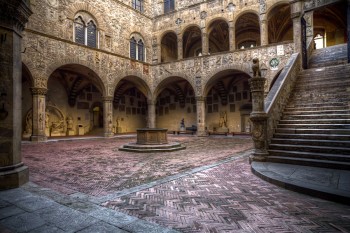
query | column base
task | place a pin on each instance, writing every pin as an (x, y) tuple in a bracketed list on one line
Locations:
[(14, 176), (259, 157), (108, 135), (202, 134), (38, 138)]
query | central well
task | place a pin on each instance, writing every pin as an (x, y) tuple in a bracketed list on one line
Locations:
[(152, 136)]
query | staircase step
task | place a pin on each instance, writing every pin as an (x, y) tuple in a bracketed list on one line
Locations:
[(318, 106), (311, 107), (315, 116), (314, 149), (316, 121), (311, 142), (310, 162), (310, 155), (332, 112), (337, 137), (340, 131), (314, 126)]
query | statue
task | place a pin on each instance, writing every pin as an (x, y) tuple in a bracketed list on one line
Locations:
[(182, 125), (256, 68), (223, 119)]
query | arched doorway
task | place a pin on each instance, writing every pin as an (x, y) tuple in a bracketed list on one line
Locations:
[(74, 102), (228, 98), (192, 42), (280, 24), (130, 105), (175, 102), (330, 25), (169, 47), (247, 31), (218, 36)]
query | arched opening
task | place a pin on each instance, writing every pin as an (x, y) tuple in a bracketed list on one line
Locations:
[(85, 29), (218, 36), (280, 24), (228, 101), (74, 102), (27, 102), (175, 102), (330, 25), (247, 31), (137, 47), (192, 42), (169, 47), (130, 105)]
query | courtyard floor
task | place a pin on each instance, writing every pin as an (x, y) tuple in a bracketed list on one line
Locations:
[(208, 187)]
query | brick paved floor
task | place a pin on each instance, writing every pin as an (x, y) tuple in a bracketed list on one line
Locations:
[(229, 198), (96, 167)]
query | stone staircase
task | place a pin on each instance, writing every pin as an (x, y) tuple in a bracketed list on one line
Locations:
[(315, 127)]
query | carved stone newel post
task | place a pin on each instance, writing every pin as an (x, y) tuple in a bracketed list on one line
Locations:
[(14, 15), (258, 115)]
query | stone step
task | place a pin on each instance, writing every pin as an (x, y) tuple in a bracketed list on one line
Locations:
[(287, 116), (314, 126), (310, 148), (318, 106), (339, 131), (337, 137), (316, 121), (311, 142), (309, 155), (310, 162), (324, 78), (289, 112), (320, 103), (338, 86)]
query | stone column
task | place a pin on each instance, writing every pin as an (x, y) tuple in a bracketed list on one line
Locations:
[(296, 8), (40, 120), (309, 17), (108, 116), (179, 47), (264, 32), (258, 118), (232, 36), (205, 42), (200, 101), (13, 16), (151, 120)]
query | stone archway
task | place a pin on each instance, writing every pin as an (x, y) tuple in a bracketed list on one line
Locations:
[(226, 93)]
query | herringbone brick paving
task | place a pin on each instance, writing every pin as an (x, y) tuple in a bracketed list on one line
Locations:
[(96, 167), (229, 198)]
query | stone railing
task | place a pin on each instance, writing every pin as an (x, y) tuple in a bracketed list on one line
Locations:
[(279, 94)]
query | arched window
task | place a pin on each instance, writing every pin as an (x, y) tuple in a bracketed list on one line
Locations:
[(140, 50), (138, 5), (137, 48), (79, 30), (85, 33), (133, 48), (91, 34), (169, 5)]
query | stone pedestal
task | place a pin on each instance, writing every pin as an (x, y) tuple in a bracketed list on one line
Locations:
[(13, 16), (259, 119)]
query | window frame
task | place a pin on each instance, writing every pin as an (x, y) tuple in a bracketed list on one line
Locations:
[(86, 17), (137, 5), (138, 43)]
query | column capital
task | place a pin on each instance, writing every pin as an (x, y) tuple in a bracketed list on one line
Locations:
[(14, 14), (38, 91), (107, 98)]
